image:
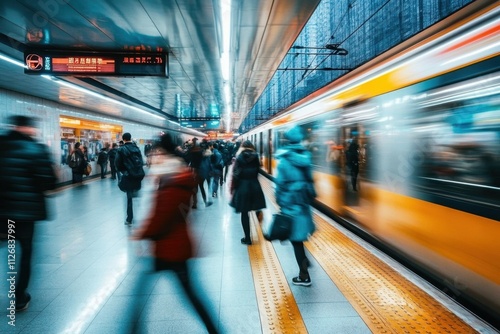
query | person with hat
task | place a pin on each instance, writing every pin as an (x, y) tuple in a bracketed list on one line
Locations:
[(294, 193), (27, 174)]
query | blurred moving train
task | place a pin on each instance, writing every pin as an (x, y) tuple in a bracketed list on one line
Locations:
[(426, 116)]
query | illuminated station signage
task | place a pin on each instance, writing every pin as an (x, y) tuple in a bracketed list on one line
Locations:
[(95, 64)]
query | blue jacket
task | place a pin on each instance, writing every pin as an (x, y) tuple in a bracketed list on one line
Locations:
[(295, 189)]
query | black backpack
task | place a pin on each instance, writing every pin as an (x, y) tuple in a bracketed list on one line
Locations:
[(73, 160), (132, 160)]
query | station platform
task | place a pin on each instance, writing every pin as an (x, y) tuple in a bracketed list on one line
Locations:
[(89, 277)]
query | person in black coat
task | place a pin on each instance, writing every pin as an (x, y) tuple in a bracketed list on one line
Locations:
[(26, 174), (245, 187), (77, 162), (112, 156)]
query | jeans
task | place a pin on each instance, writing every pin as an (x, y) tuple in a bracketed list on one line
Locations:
[(104, 169), (24, 238)]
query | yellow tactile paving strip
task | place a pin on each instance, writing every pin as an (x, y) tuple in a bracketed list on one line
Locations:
[(278, 310), (385, 300)]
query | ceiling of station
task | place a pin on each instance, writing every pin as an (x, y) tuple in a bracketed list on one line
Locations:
[(190, 31)]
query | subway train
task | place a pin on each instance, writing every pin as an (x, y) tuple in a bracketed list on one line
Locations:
[(426, 120)]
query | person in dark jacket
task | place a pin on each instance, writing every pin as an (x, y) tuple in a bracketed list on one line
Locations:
[(201, 169), (245, 187), (102, 160), (167, 225), (112, 156), (130, 184), (27, 174), (77, 162), (217, 165), (294, 193)]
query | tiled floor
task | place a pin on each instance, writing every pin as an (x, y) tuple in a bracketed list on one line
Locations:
[(88, 277)]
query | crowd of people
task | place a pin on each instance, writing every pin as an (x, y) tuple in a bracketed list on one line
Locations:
[(181, 172)]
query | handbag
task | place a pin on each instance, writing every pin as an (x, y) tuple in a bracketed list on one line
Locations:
[(87, 170), (279, 227)]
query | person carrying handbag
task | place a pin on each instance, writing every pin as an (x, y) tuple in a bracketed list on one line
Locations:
[(294, 194)]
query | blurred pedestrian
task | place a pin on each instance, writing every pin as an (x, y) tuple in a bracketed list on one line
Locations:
[(27, 173), (198, 156), (217, 165), (245, 187), (167, 225), (130, 164), (352, 157), (112, 157), (102, 160), (77, 162), (294, 194)]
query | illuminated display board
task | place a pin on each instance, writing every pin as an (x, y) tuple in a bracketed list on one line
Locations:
[(60, 63), (200, 124)]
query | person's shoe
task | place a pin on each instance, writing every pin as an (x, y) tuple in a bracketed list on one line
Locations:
[(214, 195), (208, 203), (21, 306), (301, 281), (246, 241), (194, 206), (128, 223)]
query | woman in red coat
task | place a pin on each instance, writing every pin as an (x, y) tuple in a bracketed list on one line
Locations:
[(167, 225)]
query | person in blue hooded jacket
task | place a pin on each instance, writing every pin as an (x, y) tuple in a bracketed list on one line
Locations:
[(294, 193)]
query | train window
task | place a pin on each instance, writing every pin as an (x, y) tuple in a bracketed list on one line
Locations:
[(458, 131)]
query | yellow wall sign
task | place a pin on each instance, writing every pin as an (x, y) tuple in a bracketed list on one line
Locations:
[(69, 122)]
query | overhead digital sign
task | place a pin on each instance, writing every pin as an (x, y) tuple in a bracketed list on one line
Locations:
[(208, 124), (59, 63)]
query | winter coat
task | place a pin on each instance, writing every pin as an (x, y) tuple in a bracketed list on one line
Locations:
[(166, 225), (295, 189), (102, 158), (27, 172), (112, 155), (82, 162), (217, 162), (245, 186), (205, 169)]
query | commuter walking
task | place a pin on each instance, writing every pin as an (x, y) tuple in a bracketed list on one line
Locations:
[(217, 165), (245, 188), (167, 225), (112, 157), (77, 162), (102, 160), (294, 193), (130, 164), (27, 173), (198, 162)]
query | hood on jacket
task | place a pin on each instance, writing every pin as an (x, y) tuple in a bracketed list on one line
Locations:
[(294, 135), (247, 155)]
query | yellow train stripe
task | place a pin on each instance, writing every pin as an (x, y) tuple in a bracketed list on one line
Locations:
[(385, 300), (278, 309)]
